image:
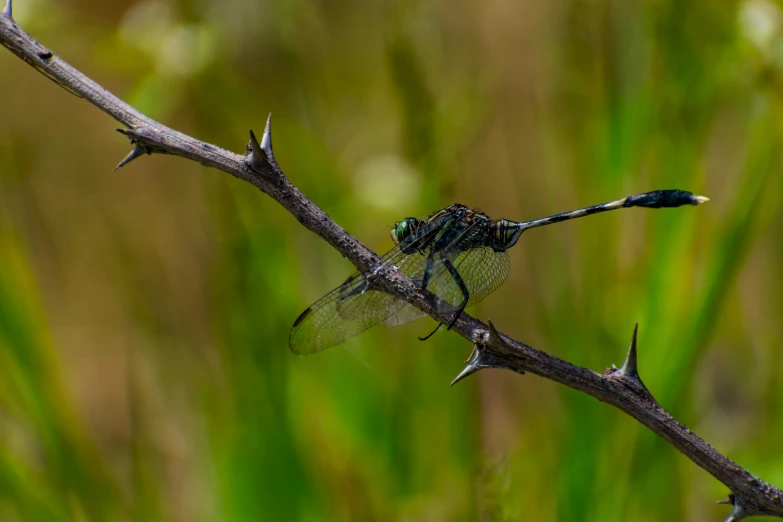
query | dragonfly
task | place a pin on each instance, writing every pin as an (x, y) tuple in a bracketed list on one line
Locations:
[(458, 254)]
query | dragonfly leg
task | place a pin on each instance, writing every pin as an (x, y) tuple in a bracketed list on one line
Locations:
[(428, 270), (462, 286), (431, 333), (425, 280)]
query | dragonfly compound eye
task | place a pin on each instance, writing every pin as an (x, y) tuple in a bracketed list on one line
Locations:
[(403, 229)]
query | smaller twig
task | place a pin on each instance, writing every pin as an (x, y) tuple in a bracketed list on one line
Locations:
[(8, 9)]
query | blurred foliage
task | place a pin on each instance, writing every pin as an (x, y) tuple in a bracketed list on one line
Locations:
[(144, 314)]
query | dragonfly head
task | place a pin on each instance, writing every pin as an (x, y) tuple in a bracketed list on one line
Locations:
[(505, 234), (403, 229)]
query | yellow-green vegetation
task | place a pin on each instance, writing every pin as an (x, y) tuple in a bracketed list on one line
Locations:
[(144, 314)]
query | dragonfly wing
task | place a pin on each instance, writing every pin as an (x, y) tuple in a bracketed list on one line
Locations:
[(404, 315), (354, 307), (481, 269), (345, 312), (484, 273)]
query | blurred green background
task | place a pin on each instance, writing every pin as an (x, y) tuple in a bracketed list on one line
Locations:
[(144, 313)]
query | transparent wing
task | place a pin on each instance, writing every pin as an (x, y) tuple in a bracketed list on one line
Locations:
[(340, 315), (482, 270), (353, 307)]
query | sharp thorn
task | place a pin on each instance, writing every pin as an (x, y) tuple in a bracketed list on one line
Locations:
[(738, 513), (700, 200), (474, 353), (496, 343), (137, 151), (494, 336), (8, 9), (134, 135), (266, 140), (257, 155), (629, 367), (470, 369)]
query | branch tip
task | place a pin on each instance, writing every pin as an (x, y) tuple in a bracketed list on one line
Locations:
[(700, 200), (266, 139), (137, 151), (8, 9)]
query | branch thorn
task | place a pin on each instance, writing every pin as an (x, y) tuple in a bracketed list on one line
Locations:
[(630, 370), (472, 364), (487, 351), (256, 154), (469, 369), (266, 139), (495, 343), (137, 151), (261, 153), (8, 9), (629, 367), (738, 513)]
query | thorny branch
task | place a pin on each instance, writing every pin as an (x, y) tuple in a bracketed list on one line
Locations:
[(622, 388)]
